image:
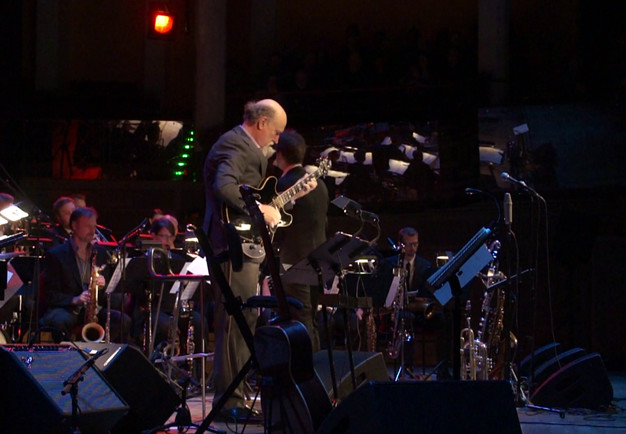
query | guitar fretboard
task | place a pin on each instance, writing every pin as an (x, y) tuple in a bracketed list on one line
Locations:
[(282, 199)]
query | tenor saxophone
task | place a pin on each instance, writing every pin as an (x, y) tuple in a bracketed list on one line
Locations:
[(92, 331)]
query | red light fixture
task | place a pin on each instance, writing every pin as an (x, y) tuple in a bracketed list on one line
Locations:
[(161, 21)]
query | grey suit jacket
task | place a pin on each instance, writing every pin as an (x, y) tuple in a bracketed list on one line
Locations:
[(233, 160)]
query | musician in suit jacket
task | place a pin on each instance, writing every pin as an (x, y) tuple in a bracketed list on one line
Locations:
[(62, 209), (419, 270), (237, 158), (306, 232), (65, 278)]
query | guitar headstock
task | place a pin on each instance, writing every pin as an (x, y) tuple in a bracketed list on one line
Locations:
[(323, 166)]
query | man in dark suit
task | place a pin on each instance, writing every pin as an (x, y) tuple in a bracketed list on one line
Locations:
[(62, 209), (65, 280), (425, 311), (237, 158), (306, 232), (418, 268)]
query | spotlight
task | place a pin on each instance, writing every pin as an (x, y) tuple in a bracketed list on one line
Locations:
[(161, 21)]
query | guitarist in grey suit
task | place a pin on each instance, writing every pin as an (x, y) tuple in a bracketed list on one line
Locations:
[(237, 158), (307, 231)]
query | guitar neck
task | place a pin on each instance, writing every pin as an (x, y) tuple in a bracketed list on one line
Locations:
[(283, 198)]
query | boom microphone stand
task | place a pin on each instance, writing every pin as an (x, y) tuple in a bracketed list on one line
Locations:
[(71, 386), (526, 396)]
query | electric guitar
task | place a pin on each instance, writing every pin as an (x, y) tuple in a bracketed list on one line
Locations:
[(292, 395), (267, 195)]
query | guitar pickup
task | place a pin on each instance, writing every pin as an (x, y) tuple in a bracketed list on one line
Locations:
[(243, 227)]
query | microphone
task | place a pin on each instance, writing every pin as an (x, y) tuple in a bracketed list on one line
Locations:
[(469, 191), (393, 245), (508, 209), (507, 177), (99, 353)]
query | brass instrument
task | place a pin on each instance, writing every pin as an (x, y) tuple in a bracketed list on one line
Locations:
[(398, 334), (425, 306), (372, 335), (475, 362), (187, 308), (173, 339), (92, 331), (492, 313)]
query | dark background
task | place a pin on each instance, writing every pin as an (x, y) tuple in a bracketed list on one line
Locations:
[(565, 78)]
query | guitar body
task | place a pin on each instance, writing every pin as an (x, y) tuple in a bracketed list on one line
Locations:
[(252, 246), (267, 195), (292, 395)]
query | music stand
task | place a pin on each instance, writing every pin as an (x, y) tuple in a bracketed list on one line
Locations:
[(26, 268), (321, 265), (135, 275), (449, 280)]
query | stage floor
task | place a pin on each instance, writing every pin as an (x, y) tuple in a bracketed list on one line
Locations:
[(531, 421)]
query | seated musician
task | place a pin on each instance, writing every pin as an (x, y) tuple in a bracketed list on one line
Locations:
[(425, 311), (62, 209), (164, 230), (65, 283)]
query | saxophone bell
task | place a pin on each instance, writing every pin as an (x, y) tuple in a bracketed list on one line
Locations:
[(92, 332), (425, 306)]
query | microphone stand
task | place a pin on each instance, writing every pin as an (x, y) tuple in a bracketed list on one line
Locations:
[(121, 246), (533, 195), (508, 302), (71, 386)]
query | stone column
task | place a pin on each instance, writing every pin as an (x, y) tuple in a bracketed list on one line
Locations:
[(493, 48), (210, 25)]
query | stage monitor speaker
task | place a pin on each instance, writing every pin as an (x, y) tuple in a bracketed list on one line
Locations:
[(367, 367), (582, 383), (549, 367), (31, 400), (538, 357), (426, 407), (151, 399)]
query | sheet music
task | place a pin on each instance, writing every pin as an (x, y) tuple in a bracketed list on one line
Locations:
[(466, 273), (393, 290), (116, 277), (11, 287), (176, 285), (198, 267), (334, 288)]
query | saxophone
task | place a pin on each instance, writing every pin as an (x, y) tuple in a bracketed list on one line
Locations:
[(492, 313), (92, 331), (397, 315)]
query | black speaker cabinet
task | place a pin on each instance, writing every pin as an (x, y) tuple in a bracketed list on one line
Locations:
[(151, 399), (426, 407), (549, 367), (31, 400), (367, 367), (538, 357), (582, 383)]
